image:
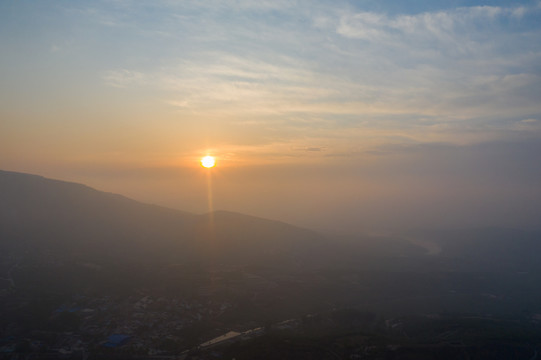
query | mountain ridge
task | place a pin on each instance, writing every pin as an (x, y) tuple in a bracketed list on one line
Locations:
[(50, 214), (47, 216)]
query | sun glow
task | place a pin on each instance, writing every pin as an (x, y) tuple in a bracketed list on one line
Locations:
[(208, 161)]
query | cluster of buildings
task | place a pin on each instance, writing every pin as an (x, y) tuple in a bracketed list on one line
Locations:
[(140, 324)]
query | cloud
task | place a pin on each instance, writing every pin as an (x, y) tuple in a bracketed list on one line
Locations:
[(529, 126), (123, 78), (309, 148), (457, 29), (461, 75)]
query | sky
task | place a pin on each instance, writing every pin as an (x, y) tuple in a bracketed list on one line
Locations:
[(369, 115)]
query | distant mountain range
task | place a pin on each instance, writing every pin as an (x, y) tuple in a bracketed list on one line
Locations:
[(40, 215), (61, 240), (58, 219)]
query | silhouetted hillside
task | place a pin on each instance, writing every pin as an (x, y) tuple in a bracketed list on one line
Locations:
[(44, 215)]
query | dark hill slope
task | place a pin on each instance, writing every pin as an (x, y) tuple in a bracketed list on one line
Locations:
[(39, 215)]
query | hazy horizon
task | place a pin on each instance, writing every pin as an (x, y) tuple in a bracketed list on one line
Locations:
[(351, 116)]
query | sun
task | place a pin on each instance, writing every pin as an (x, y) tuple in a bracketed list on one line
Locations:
[(208, 161)]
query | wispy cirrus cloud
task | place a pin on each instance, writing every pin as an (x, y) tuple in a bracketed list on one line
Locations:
[(425, 75), (123, 78), (442, 26)]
